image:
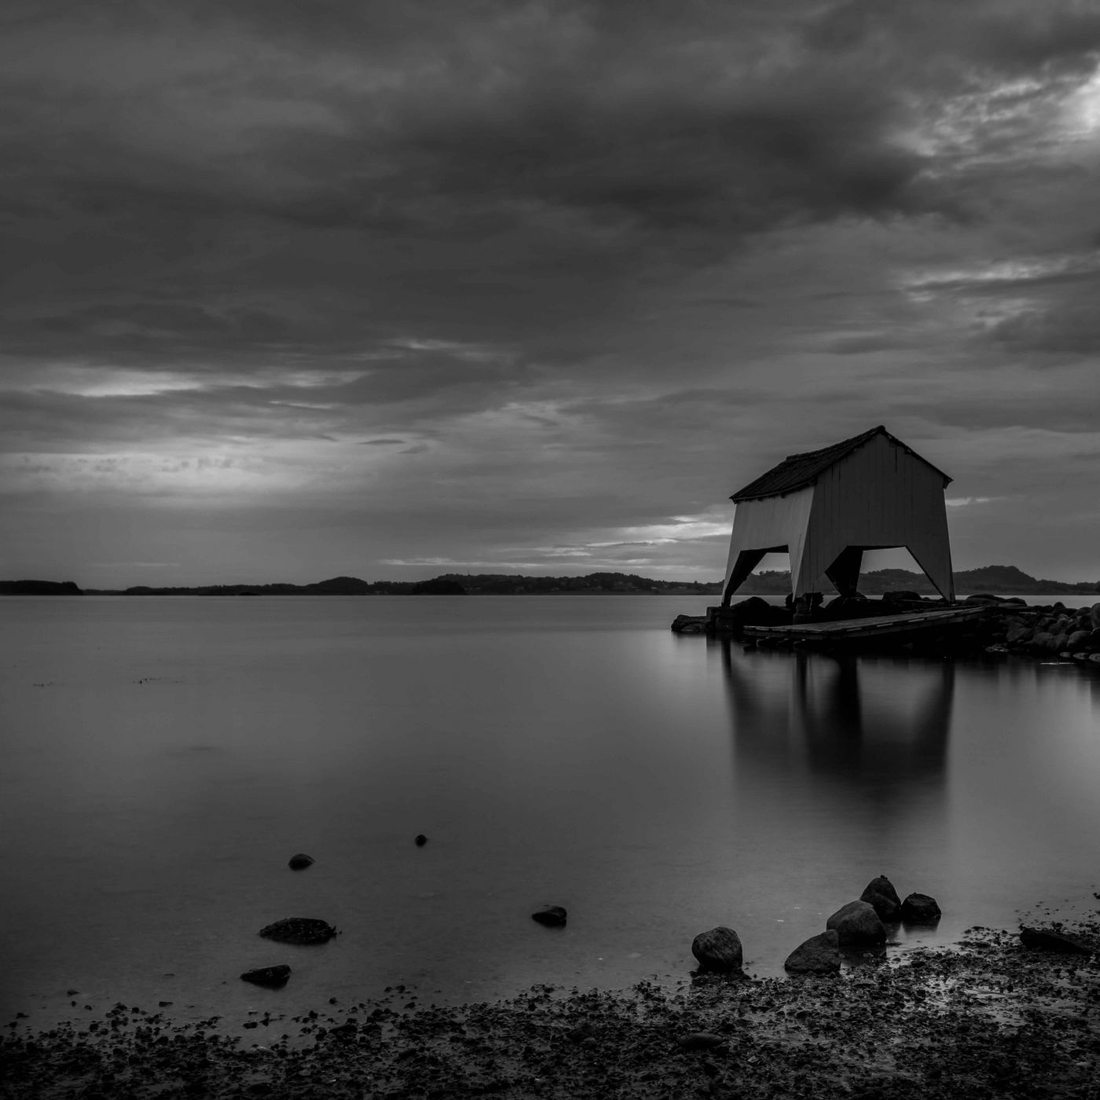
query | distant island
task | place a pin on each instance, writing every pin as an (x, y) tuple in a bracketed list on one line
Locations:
[(999, 579), (40, 588)]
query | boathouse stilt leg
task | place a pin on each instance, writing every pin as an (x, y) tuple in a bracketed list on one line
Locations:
[(747, 561), (844, 572)]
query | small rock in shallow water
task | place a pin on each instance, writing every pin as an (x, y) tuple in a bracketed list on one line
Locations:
[(553, 916), (718, 950), (274, 977), (299, 930), (300, 861), (920, 909)]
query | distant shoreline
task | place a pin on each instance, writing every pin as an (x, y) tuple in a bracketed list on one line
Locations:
[(1005, 580)]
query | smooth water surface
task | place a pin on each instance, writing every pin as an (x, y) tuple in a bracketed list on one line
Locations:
[(163, 757)]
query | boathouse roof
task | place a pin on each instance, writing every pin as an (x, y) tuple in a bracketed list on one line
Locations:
[(798, 471)]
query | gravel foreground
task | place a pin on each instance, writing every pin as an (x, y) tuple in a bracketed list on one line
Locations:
[(988, 1017)]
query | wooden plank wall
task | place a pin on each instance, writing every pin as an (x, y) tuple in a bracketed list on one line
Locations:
[(879, 496)]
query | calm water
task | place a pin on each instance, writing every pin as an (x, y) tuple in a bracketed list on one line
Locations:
[(164, 757)]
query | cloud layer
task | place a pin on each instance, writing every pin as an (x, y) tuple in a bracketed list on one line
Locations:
[(293, 290)]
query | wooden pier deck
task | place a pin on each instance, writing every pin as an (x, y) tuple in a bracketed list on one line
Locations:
[(869, 628)]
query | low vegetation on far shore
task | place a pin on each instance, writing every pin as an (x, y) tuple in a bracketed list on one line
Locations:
[(1002, 579)]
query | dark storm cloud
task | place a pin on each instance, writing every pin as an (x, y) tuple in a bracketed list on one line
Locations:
[(1075, 419), (484, 167), (541, 142), (1065, 327), (1065, 330), (1007, 35)]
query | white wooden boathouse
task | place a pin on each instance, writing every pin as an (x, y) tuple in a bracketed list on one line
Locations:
[(826, 507)]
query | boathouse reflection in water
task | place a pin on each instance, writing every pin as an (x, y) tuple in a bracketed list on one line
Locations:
[(860, 737)]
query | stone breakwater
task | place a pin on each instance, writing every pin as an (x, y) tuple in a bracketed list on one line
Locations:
[(1051, 631), (1007, 625)]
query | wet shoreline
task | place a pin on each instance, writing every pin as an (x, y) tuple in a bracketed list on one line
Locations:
[(986, 1017)]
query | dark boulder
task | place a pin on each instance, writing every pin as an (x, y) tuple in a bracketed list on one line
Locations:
[(299, 862), (553, 916), (689, 624), (901, 595), (855, 606), (420, 840), (1042, 939), (818, 955), (274, 977), (302, 930), (857, 925), (718, 950), (881, 895), (920, 909), (756, 611)]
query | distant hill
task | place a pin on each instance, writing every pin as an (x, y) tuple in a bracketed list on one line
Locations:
[(999, 579), (336, 586), (448, 584), (501, 584), (1007, 578), (39, 588)]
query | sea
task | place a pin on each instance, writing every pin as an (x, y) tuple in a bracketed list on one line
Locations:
[(164, 757)]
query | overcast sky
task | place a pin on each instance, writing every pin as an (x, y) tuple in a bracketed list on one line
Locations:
[(392, 289)]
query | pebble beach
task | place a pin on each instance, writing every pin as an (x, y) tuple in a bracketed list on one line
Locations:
[(990, 1016)]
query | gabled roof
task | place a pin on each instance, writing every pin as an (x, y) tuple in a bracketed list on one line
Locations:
[(799, 471)]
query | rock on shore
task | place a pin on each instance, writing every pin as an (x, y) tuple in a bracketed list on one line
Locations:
[(820, 954), (273, 977), (302, 930), (883, 898), (920, 909), (718, 950), (857, 925)]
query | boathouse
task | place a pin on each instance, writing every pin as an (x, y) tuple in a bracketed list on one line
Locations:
[(826, 507)]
